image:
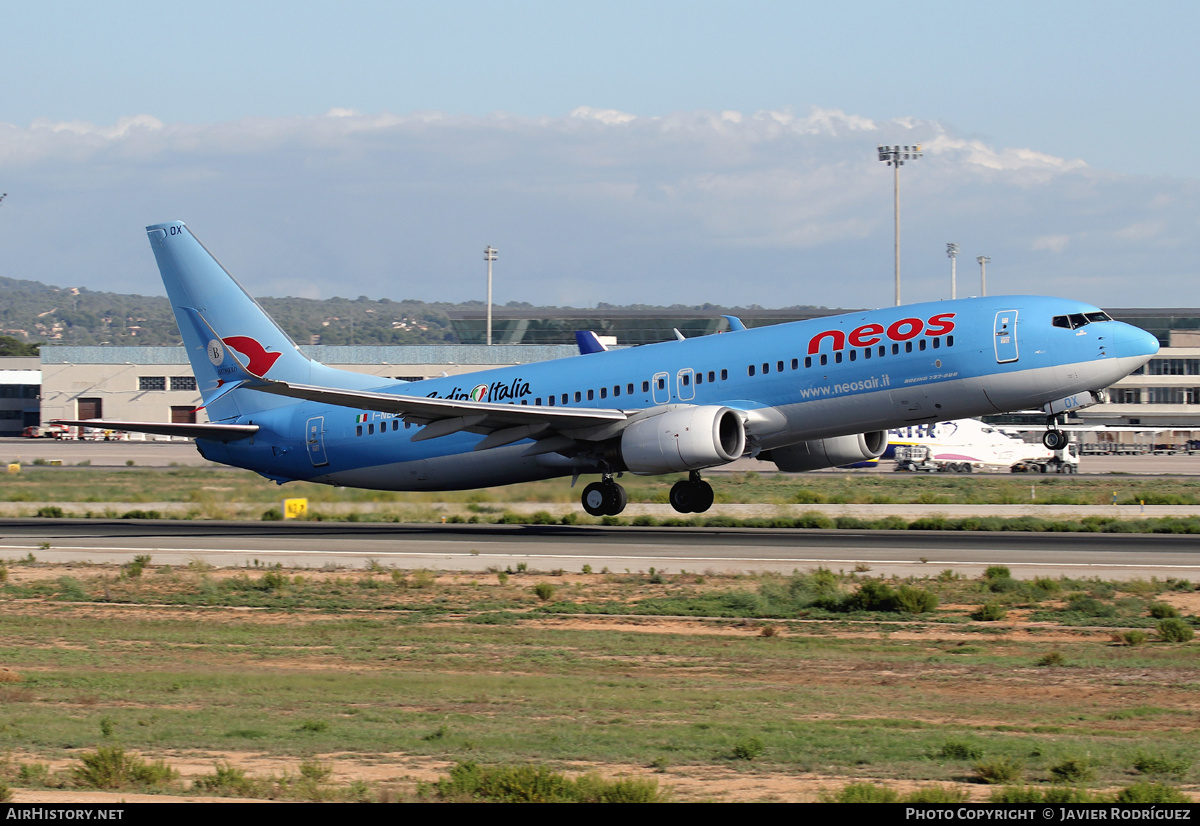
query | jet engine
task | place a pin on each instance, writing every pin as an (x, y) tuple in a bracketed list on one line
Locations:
[(688, 438), (821, 453)]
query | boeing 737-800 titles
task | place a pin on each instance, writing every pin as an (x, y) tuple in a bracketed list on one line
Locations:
[(805, 395)]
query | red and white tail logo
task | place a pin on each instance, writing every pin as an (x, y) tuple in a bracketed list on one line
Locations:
[(259, 360)]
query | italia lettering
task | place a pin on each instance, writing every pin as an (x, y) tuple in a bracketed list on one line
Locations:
[(870, 334), (496, 392)]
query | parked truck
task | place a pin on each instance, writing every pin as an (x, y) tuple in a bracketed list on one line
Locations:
[(969, 445)]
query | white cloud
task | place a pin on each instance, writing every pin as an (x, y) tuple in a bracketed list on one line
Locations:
[(1052, 243), (771, 207)]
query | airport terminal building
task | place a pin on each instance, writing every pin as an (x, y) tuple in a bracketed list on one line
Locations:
[(156, 383)]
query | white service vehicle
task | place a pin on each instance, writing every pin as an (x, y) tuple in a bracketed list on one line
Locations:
[(968, 445)]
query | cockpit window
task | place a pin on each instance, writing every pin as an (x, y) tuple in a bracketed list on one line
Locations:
[(1076, 320)]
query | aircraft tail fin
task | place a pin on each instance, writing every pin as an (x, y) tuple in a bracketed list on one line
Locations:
[(197, 284)]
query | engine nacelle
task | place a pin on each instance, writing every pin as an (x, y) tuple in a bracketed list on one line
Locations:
[(688, 438), (823, 453)]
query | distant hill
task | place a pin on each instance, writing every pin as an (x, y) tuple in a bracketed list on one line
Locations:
[(34, 312)]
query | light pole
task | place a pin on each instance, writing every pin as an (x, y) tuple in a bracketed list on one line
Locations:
[(489, 255), (983, 262), (895, 156), (952, 253)]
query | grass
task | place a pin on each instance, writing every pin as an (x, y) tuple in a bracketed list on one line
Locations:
[(470, 668), (214, 487)]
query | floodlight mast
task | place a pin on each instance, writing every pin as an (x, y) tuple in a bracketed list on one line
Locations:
[(952, 253), (983, 262), (490, 254), (895, 157)]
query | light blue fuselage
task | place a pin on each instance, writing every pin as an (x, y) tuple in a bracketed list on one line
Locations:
[(828, 377)]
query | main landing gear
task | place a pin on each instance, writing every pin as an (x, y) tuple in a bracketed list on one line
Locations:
[(693, 495), (1054, 439), (607, 498), (604, 498)]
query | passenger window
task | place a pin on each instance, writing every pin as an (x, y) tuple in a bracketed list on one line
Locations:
[(807, 362), (724, 375), (837, 357), (591, 395), (750, 370), (949, 341), (853, 355), (578, 396), (921, 344), (711, 376), (358, 430), (564, 398), (824, 359), (766, 368), (604, 392), (779, 366)]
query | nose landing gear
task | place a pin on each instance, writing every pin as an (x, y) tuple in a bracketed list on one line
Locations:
[(1054, 439)]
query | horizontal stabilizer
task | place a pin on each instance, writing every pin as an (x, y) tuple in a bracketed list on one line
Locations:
[(214, 432)]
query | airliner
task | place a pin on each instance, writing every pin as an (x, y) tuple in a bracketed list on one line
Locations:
[(804, 395)]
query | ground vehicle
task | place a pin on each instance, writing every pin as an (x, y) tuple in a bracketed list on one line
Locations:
[(968, 445), (50, 431)]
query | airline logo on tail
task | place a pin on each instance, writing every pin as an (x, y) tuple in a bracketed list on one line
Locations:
[(259, 360)]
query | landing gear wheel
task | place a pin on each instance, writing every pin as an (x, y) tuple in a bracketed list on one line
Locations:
[(605, 498), (594, 500), (966, 467), (619, 499), (681, 497), (1054, 439), (691, 496)]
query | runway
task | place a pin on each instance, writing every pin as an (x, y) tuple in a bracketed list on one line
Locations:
[(568, 548)]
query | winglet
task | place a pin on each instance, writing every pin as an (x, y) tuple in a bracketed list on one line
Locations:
[(735, 323), (588, 342)]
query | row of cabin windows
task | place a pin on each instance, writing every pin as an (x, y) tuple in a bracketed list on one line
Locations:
[(628, 389), (383, 427), (603, 392), (853, 355)]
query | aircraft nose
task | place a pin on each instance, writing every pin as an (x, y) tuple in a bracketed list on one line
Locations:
[(1134, 347)]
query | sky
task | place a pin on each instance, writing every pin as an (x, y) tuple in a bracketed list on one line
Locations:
[(617, 152)]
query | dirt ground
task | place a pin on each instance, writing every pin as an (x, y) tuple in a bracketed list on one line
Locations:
[(402, 772)]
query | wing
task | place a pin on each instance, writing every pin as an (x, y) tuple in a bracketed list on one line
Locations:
[(554, 428), (215, 432)]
